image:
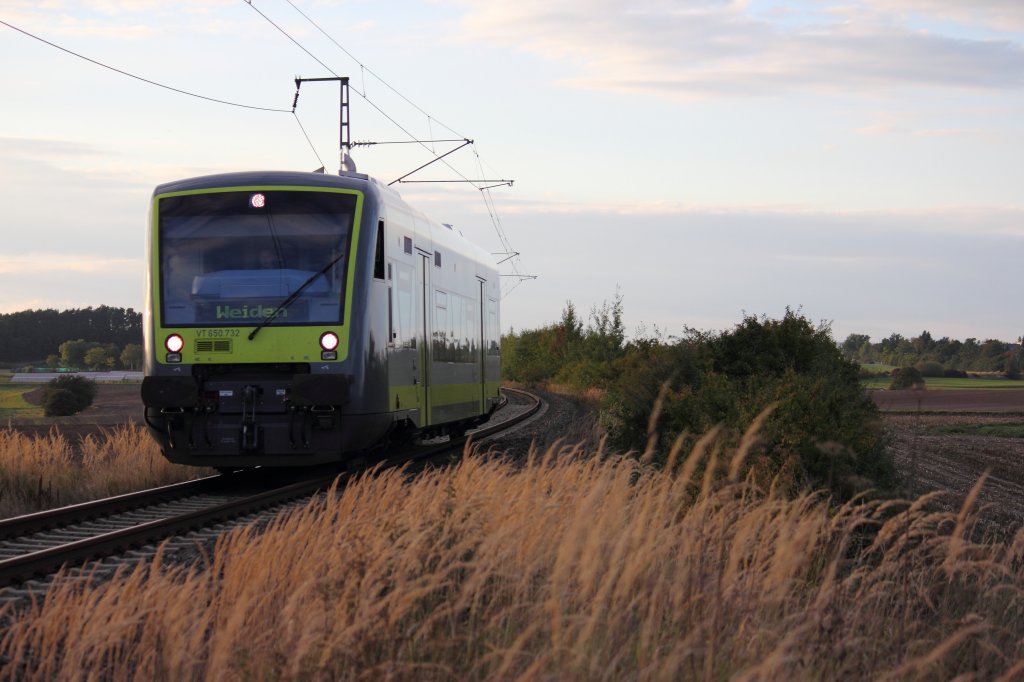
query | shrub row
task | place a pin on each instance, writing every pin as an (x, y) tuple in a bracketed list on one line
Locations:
[(822, 430)]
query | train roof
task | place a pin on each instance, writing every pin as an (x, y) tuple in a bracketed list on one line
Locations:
[(244, 178), (441, 234)]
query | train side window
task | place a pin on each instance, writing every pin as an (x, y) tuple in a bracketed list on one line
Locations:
[(406, 333), (441, 335), (378, 258), (407, 244), (437, 259), (493, 333), (391, 317)]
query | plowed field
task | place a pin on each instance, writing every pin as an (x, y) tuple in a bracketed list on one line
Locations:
[(953, 463)]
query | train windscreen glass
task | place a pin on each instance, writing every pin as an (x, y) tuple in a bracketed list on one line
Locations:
[(230, 258)]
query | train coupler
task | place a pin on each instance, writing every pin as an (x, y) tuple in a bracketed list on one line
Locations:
[(174, 418), (250, 431)]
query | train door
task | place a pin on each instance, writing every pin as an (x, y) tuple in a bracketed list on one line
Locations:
[(403, 350), (482, 345), (423, 331)]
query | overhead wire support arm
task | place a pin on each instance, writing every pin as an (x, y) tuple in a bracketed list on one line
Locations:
[(509, 255), (465, 142), (501, 183), (344, 124), (368, 143)]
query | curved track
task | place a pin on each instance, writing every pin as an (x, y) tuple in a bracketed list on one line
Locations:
[(40, 544)]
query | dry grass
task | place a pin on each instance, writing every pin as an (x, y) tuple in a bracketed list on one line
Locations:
[(41, 472), (568, 567)]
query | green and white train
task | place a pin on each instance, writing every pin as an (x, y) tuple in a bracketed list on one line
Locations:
[(302, 318)]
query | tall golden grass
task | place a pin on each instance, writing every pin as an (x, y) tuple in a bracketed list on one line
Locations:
[(41, 472), (572, 565)]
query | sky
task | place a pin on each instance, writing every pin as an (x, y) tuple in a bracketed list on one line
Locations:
[(860, 161)]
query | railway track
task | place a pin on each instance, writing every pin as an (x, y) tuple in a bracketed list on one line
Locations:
[(38, 545)]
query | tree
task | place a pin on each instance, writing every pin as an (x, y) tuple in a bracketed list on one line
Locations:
[(853, 345), (923, 343), (34, 334), (906, 377), (72, 353), (131, 356), (99, 358)]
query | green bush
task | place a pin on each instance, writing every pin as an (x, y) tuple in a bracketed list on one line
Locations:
[(930, 368), (82, 391), (823, 430), (60, 402), (906, 377)]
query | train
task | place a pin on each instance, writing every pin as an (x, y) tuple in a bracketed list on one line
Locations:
[(298, 319)]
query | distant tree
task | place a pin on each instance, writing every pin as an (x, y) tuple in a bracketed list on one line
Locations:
[(923, 343), (1011, 366), (970, 351), (906, 377), (33, 334), (930, 368), (131, 356), (992, 357), (853, 344), (72, 353), (53, 361), (99, 358)]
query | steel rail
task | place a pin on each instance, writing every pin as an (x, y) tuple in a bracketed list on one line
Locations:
[(44, 562), (49, 519)]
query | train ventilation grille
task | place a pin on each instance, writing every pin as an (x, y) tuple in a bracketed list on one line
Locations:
[(218, 346)]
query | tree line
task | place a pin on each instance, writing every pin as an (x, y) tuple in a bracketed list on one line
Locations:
[(935, 357), (33, 335)]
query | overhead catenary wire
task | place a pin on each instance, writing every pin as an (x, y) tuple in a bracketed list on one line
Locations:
[(140, 78), (364, 70), (311, 145), (334, 73), (484, 190)]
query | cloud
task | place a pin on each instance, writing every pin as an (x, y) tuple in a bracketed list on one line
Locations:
[(1000, 15), (117, 20), (705, 48), (37, 263), (870, 272), (32, 148)]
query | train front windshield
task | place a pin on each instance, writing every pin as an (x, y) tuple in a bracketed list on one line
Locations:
[(231, 258)]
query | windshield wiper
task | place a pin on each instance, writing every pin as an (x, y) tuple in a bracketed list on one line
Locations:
[(291, 299)]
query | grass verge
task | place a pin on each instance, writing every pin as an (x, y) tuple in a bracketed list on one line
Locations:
[(1004, 430), (42, 472), (568, 566), (13, 403), (957, 383)]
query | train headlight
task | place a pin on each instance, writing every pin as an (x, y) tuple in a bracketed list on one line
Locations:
[(329, 341), (174, 343), (329, 344), (258, 200)]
